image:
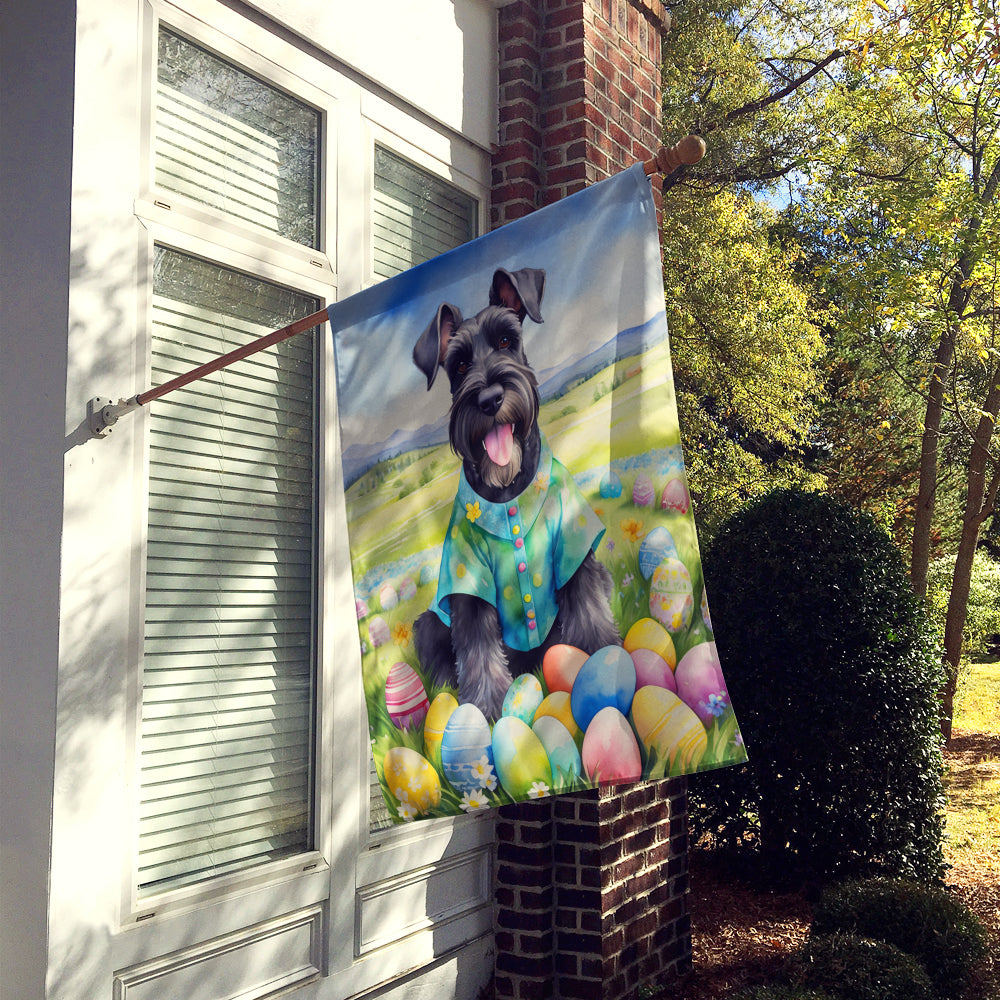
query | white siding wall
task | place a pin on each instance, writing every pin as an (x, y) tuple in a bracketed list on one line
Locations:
[(75, 297), (432, 54), (36, 116)]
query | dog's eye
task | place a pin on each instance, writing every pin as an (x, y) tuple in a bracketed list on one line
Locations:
[(503, 343), (462, 367)]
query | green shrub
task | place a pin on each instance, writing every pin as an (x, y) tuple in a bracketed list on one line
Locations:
[(833, 673), (925, 922), (856, 968)]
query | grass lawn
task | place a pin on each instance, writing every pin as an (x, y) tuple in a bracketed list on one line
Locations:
[(974, 771), (973, 811)]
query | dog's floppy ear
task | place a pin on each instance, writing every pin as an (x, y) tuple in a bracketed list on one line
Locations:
[(429, 350), (527, 286)]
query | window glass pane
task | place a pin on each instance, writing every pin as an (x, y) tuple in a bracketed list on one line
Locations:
[(228, 655), (416, 215), (228, 140)]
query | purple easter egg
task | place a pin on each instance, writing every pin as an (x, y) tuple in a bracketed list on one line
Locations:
[(700, 683), (378, 631), (642, 491), (651, 668)]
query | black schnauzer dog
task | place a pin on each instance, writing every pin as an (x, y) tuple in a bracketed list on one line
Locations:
[(518, 572)]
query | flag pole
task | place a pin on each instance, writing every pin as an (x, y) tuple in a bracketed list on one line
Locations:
[(103, 413)]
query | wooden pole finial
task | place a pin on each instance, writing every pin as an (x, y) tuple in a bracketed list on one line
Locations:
[(668, 158)]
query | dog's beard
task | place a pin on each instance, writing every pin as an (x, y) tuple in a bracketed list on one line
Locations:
[(470, 429), (499, 476)]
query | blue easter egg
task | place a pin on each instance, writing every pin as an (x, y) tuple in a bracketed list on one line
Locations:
[(523, 698), (465, 743), (606, 679), (428, 574), (611, 485), (656, 546)]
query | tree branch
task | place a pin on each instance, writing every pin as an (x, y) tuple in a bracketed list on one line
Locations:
[(754, 106)]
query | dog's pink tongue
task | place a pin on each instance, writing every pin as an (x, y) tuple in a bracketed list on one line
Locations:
[(499, 444)]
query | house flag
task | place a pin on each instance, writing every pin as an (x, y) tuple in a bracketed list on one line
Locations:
[(531, 609)]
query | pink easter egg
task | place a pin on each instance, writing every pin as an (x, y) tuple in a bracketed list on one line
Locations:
[(361, 608), (610, 752), (700, 683), (405, 697), (642, 491), (407, 589), (560, 665), (388, 597), (676, 497), (378, 631), (651, 668)]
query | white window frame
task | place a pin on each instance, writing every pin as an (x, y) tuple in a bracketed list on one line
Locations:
[(351, 874), (180, 224)]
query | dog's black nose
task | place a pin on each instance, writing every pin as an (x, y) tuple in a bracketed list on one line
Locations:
[(490, 399)]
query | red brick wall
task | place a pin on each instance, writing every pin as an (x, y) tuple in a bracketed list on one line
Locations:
[(591, 889), (579, 96)]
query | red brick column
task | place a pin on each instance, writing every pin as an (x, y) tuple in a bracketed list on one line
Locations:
[(591, 889), (621, 884), (579, 96)]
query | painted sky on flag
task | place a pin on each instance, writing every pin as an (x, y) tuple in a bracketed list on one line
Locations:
[(592, 288)]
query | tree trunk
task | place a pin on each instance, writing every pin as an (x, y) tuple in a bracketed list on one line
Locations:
[(958, 299), (979, 502), (920, 553)]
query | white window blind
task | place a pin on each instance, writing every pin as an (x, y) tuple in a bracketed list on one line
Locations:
[(416, 215), (228, 659), (228, 140)]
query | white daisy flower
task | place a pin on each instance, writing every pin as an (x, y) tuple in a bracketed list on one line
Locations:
[(406, 811), (482, 771), (538, 790), (474, 801)]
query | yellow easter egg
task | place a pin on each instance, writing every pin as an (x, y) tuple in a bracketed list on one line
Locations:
[(665, 724), (412, 780), (557, 705), (437, 718), (649, 634)]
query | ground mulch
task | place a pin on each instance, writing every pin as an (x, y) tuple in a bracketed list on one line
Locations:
[(742, 934)]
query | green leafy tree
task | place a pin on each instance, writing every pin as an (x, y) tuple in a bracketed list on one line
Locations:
[(747, 352), (912, 188)]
